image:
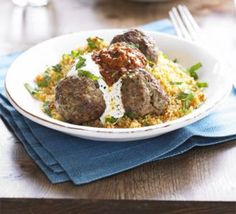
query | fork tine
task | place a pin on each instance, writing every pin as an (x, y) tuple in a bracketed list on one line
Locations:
[(179, 33), (188, 23), (191, 20), (180, 24)]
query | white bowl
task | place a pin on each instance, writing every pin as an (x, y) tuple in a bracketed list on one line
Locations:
[(34, 61)]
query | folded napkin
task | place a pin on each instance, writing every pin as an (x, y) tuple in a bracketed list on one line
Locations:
[(65, 158)]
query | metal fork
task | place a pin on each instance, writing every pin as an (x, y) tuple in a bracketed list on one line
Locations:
[(185, 25)]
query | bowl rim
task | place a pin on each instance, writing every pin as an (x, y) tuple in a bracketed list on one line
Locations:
[(56, 124)]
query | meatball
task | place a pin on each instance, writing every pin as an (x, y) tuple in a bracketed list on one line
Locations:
[(78, 99), (137, 38), (117, 59), (142, 94)]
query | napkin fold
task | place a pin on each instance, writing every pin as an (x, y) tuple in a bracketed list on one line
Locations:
[(66, 158)]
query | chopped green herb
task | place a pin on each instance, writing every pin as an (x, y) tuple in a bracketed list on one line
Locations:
[(59, 76), (46, 108), (186, 98), (101, 39), (131, 114), (165, 56), (151, 64), (75, 53), (57, 68), (192, 70), (175, 60), (45, 81), (30, 89), (132, 45), (81, 63), (202, 84), (94, 42), (175, 83), (110, 119), (184, 110), (87, 74), (91, 43)]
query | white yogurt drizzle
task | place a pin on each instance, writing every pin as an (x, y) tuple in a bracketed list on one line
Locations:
[(112, 94)]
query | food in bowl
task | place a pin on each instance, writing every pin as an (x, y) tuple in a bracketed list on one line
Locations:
[(128, 83)]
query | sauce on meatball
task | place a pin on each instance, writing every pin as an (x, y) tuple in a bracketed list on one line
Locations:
[(117, 59)]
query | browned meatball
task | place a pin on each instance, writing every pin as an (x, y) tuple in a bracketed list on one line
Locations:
[(78, 99), (137, 38), (142, 94), (117, 59)]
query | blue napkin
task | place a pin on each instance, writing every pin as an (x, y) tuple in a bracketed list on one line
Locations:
[(65, 158)]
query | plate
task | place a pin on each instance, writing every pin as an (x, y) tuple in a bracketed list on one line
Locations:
[(35, 60)]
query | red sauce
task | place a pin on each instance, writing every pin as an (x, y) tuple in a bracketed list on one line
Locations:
[(117, 59)]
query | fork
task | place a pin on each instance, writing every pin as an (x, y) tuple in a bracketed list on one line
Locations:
[(186, 27)]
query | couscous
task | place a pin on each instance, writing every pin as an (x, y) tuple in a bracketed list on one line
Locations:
[(179, 88)]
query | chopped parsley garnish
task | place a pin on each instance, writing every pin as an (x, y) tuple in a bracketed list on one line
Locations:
[(165, 56), (59, 76), (91, 43), (184, 96), (175, 60), (186, 99), (94, 42), (46, 108), (132, 45), (131, 114), (66, 56), (110, 119), (87, 74), (192, 70), (175, 83), (57, 68), (30, 89), (81, 63), (202, 84), (75, 53), (151, 64), (45, 81)]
